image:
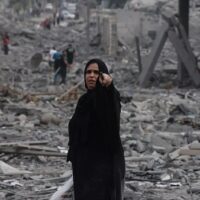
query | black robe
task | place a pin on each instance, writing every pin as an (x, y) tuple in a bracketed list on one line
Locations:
[(95, 148)]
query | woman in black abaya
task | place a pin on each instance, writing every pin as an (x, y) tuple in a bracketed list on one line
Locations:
[(95, 148)]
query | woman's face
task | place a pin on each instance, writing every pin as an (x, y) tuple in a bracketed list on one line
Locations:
[(91, 76)]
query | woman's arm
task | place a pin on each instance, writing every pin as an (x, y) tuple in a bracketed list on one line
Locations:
[(108, 107)]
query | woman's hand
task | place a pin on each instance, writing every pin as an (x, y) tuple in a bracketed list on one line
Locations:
[(105, 79)]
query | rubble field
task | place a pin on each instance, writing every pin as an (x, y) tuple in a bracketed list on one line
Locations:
[(160, 125)]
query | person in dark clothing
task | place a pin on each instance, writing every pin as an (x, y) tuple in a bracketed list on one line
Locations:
[(57, 56), (70, 54), (58, 18), (63, 68), (60, 67), (95, 148), (5, 43)]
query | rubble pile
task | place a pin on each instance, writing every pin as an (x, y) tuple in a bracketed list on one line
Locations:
[(159, 125)]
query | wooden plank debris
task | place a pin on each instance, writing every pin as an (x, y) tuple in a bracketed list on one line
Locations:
[(137, 41), (30, 148), (150, 63), (35, 96), (26, 194), (71, 93), (184, 21), (176, 33), (7, 169), (144, 173), (190, 152), (185, 57), (190, 149), (41, 142), (18, 150), (194, 190), (184, 38), (139, 159), (62, 189), (175, 154)]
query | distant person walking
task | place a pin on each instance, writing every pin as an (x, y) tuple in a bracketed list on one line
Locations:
[(58, 18), (57, 57), (63, 67), (70, 51), (46, 23), (52, 51), (54, 19), (5, 43), (60, 67)]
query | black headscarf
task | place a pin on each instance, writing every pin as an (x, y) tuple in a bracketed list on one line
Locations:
[(101, 65)]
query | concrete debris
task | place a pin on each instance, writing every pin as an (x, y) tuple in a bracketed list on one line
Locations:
[(8, 170), (49, 118), (159, 125)]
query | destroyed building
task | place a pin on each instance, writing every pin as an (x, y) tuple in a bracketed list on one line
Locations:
[(159, 120)]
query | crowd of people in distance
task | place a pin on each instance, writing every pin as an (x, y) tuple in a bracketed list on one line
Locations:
[(59, 61)]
